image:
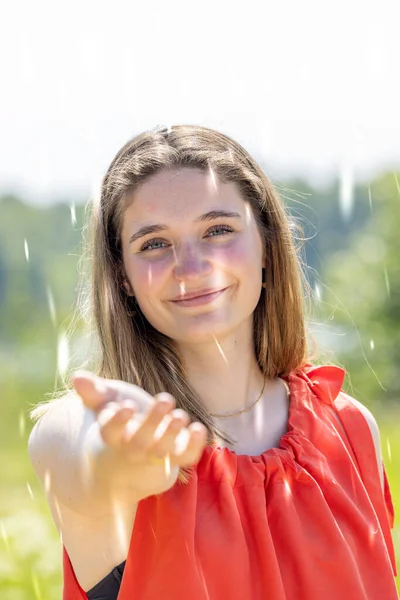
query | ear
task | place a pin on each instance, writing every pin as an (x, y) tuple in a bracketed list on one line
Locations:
[(126, 286)]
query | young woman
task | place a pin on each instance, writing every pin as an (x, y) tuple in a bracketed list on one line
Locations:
[(204, 456)]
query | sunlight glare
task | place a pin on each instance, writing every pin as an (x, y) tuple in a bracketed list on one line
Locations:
[(372, 344)]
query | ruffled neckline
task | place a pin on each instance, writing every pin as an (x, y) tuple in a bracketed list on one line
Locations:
[(321, 382)]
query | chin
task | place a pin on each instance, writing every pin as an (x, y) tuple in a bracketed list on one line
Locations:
[(203, 331)]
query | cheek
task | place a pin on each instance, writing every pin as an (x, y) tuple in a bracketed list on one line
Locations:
[(147, 276), (244, 253)]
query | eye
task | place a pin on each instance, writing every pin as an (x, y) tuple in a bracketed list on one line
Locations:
[(218, 229), (154, 244)]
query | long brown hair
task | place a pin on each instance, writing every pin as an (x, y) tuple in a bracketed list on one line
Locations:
[(130, 348)]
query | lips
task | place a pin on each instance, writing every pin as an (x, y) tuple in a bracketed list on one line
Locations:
[(199, 298), (197, 294)]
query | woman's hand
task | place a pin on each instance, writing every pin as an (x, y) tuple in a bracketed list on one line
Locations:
[(145, 430)]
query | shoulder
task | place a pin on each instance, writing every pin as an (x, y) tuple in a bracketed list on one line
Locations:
[(373, 426), (330, 379), (55, 421)]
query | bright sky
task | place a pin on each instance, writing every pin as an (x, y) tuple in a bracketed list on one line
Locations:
[(309, 87)]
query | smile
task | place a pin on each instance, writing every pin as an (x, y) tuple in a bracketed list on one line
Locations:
[(198, 300)]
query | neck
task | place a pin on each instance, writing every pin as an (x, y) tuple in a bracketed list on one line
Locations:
[(224, 372)]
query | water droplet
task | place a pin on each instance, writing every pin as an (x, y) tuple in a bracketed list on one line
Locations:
[(213, 179), (62, 354), (73, 214), (387, 283), (346, 193), (4, 536), (317, 291), (51, 304), (36, 586), (220, 349), (389, 449), (29, 490), (370, 198), (21, 423), (26, 250), (372, 344), (397, 182), (47, 481)]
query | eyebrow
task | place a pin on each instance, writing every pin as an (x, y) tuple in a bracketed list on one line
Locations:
[(212, 215)]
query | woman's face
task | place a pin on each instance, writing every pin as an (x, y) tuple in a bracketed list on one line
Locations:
[(187, 234)]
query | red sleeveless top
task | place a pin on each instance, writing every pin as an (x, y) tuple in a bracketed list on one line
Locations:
[(303, 521)]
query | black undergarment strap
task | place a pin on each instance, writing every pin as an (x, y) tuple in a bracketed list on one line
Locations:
[(108, 588)]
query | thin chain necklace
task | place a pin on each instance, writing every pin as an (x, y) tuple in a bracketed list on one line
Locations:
[(245, 409)]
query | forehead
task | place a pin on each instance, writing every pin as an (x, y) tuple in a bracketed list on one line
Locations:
[(181, 194)]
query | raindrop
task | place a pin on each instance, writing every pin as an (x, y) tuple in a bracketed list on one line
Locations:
[(150, 276), (346, 195), (212, 178), (118, 517), (52, 307), (220, 349), (73, 214), (62, 354), (288, 491), (389, 449), (4, 536), (21, 423), (47, 481), (370, 198), (372, 344), (35, 585), (29, 490), (397, 182), (26, 250), (387, 283), (168, 465)]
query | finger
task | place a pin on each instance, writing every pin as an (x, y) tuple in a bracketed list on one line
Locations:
[(196, 443), (139, 434), (92, 389), (112, 421), (166, 434)]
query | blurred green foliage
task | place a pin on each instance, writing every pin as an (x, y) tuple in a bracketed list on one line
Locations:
[(354, 272)]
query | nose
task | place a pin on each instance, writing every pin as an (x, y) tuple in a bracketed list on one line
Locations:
[(190, 264)]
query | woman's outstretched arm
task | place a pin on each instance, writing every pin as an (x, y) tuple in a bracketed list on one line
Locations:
[(95, 447)]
